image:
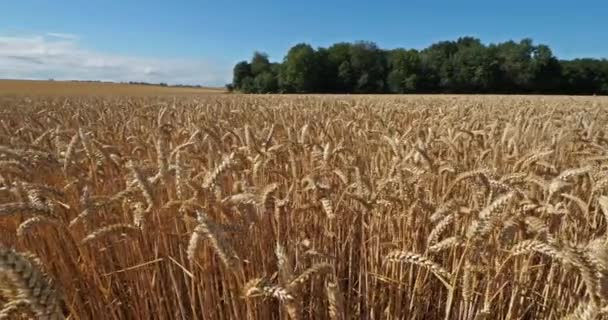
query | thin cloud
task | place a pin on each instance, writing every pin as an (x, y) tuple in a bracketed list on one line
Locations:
[(65, 36), (26, 59), (60, 56)]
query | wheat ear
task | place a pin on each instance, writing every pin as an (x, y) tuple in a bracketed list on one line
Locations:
[(261, 288), (489, 217), (26, 225), (336, 301), (219, 243), (143, 184), (69, 152), (317, 269), (119, 228), (439, 229), (32, 285), (212, 177), (419, 260)]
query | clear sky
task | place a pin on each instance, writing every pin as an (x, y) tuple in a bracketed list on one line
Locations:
[(197, 42)]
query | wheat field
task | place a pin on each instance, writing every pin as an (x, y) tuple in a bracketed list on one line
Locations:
[(304, 207), (88, 88)]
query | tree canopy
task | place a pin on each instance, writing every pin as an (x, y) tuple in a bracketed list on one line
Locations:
[(463, 66)]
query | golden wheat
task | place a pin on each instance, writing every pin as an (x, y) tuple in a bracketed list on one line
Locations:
[(486, 207)]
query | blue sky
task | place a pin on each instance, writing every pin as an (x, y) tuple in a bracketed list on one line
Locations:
[(198, 42)]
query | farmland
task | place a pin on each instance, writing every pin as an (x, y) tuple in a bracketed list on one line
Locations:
[(166, 206), (83, 88)]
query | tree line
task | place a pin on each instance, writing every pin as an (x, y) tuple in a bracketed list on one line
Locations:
[(463, 66)]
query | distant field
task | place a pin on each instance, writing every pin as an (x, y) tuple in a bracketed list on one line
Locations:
[(36, 87)]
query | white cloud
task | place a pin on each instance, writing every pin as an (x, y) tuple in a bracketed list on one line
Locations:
[(60, 56)]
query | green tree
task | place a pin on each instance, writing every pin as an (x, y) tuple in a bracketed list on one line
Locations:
[(341, 72), (404, 66), (464, 65), (474, 67), (517, 70), (241, 71), (585, 76), (436, 67), (326, 71), (345, 77), (547, 70), (299, 72), (259, 63), (265, 82), (368, 65), (248, 85)]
